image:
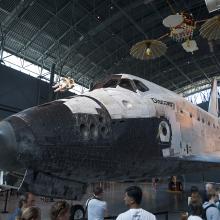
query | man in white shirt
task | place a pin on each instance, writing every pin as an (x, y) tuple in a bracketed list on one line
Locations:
[(97, 209), (133, 197)]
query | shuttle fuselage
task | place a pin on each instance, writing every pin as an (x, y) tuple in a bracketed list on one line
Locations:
[(124, 129)]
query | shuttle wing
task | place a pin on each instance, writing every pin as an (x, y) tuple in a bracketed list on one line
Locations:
[(209, 158)]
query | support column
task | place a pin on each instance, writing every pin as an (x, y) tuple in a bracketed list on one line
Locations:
[(52, 72)]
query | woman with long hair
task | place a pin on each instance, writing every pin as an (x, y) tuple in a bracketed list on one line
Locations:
[(60, 211), (31, 213)]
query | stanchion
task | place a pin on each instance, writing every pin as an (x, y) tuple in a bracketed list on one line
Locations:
[(6, 202)]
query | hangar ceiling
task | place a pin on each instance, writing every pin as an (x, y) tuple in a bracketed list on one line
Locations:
[(91, 39)]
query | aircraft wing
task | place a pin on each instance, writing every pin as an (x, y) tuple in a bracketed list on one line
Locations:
[(206, 158)]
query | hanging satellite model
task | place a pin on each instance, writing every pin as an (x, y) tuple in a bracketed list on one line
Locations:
[(211, 29), (190, 46), (64, 85), (181, 29), (181, 26), (148, 49)]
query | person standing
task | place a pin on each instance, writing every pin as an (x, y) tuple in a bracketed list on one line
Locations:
[(133, 197), (97, 208), (60, 211), (30, 199), (18, 211), (211, 211), (196, 210), (195, 203), (25, 201), (208, 187), (31, 213)]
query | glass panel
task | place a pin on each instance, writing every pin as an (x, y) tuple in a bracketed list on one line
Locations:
[(126, 84), (140, 86), (112, 83)]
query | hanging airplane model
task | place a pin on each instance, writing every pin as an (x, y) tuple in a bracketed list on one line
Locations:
[(126, 128)]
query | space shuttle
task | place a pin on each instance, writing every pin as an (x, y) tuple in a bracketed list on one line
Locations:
[(125, 128)]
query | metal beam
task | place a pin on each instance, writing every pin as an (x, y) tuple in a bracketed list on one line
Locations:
[(85, 37), (94, 31), (72, 47), (32, 60), (109, 54), (146, 36), (18, 12), (199, 78), (71, 27), (52, 73), (201, 70), (86, 57), (104, 58), (170, 81), (147, 18), (216, 61), (101, 27), (108, 22), (183, 63), (194, 61), (55, 43), (200, 86), (97, 48), (42, 28), (115, 17), (97, 29)]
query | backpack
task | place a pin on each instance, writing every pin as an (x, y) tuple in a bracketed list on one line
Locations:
[(205, 210)]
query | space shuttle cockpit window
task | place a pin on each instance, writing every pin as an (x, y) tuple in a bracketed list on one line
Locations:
[(140, 86), (126, 84), (112, 83)]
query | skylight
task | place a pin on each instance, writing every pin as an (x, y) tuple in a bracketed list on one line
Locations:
[(35, 70)]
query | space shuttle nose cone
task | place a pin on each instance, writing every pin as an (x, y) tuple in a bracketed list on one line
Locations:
[(8, 146)]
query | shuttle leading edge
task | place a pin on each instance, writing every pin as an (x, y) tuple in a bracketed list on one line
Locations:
[(126, 128)]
